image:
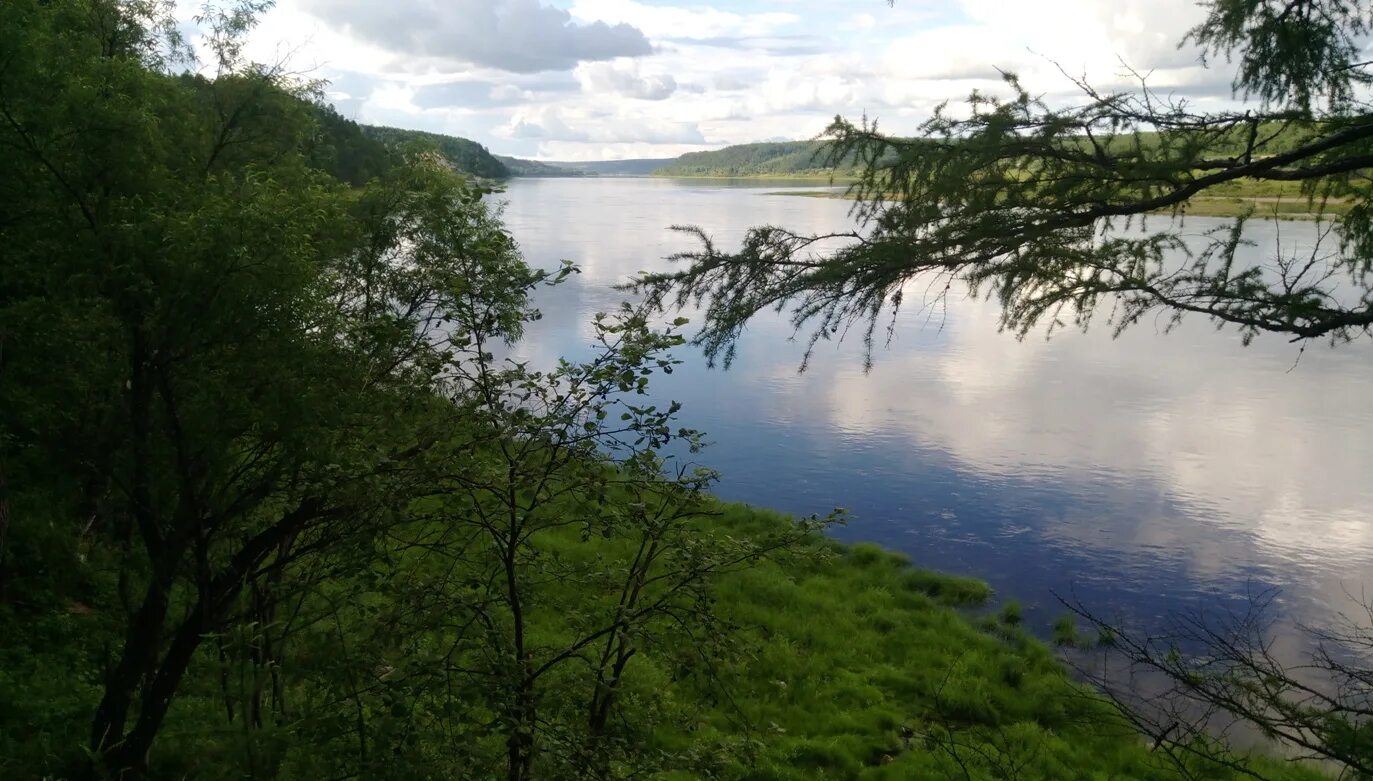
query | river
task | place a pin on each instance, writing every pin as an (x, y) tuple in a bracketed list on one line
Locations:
[(1141, 475)]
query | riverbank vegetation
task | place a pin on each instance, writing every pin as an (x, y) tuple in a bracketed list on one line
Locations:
[(1275, 207), (1042, 208), (1261, 198), (1278, 198)]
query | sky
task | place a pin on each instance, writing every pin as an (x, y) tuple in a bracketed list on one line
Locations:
[(615, 79)]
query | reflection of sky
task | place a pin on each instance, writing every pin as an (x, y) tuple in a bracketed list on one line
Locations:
[(1143, 473)]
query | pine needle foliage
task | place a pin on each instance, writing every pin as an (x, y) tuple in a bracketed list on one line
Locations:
[(1064, 212)]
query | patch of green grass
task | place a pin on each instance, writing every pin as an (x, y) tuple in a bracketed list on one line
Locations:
[(857, 666)]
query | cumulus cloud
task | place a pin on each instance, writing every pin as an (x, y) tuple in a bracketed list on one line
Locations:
[(521, 36), (733, 81), (552, 123), (1091, 38), (483, 93), (670, 22), (577, 78), (623, 77), (774, 45)]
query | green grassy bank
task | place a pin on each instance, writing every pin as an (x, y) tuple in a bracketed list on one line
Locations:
[(843, 662), (861, 666)]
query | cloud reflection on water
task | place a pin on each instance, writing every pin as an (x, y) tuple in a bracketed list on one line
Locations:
[(1163, 469)]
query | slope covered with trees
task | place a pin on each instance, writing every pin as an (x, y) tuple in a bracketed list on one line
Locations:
[(465, 156), (343, 148), (520, 167)]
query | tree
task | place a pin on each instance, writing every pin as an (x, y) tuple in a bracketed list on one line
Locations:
[(217, 358), (558, 544), (579, 453), (1026, 202), (1194, 688), (248, 371)]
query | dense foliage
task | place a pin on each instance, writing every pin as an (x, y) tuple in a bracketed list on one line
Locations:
[(345, 150), (274, 503), (465, 156)]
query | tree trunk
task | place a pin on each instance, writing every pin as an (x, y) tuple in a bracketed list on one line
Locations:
[(224, 679), (129, 758), (4, 530), (124, 756), (4, 500), (602, 705), (260, 648), (520, 744), (139, 657)]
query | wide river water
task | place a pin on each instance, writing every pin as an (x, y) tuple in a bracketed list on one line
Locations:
[(1142, 474)]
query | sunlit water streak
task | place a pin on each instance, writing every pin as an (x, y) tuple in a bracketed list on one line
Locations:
[(1141, 474)]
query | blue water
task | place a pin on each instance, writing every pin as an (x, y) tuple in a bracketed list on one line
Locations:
[(1140, 475)]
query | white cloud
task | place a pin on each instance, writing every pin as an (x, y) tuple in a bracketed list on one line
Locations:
[(670, 22), (1095, 38), (523, 36), (556, 123), (624, 77), (860, 22), (709, 72)]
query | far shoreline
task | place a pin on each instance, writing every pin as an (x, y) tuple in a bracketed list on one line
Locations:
[(1261, 207)]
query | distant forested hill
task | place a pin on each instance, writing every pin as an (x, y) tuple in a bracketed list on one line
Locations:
[(783, 158), (806, 158), (464, 155), (637, 167), (519, 167)]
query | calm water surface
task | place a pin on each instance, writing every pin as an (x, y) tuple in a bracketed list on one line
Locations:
[(1142, 474)]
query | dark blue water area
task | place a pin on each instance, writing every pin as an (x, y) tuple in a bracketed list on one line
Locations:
[(922, 502), (1142, 476)]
